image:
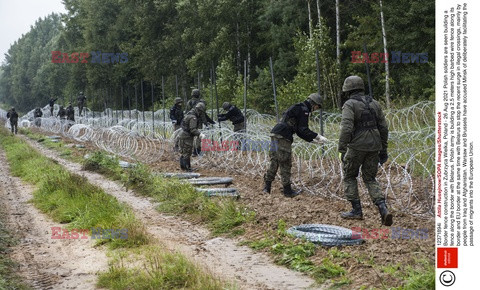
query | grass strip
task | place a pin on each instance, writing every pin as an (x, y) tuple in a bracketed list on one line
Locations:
[(69, 198), (159, 270)]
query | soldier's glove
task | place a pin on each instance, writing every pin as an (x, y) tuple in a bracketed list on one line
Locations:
[(382, 157), (202, 136), (341, 156), (319, 139)]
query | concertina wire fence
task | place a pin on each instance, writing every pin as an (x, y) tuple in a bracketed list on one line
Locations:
[(407, 178)]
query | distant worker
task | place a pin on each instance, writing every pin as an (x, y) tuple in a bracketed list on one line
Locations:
[(294, 121), (12, 115), (190, 129), (204, 118), (362, 143), (81, 100), (62, 113), (234, 115), (51, 103), (37, 115), (70, 113), (176, 115)]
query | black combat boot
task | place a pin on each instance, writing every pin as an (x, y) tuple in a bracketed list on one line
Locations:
[(387, 218), (355, 213), (188, 167), (182, 163), (289, 192), (268, 187)]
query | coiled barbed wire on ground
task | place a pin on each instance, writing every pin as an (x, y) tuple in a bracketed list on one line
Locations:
[(407, 178)]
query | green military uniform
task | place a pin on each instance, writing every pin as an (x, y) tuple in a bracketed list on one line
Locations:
[(280, 156), (361, 147), (190, 129), (362, 144), (203, 117)]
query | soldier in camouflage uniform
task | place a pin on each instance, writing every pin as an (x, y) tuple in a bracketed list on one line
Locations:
[(176, 115), (81, 103), (204, 118), (190, 129), (294, 121), (12, 115), (70, 113), (362, 143)]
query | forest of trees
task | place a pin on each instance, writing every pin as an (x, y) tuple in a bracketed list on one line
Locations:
[(180, 41)]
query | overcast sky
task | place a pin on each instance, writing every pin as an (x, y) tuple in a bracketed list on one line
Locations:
[(16, 17)]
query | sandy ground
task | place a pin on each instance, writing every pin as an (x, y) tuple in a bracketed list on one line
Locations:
[(43, 262), (220, 256)]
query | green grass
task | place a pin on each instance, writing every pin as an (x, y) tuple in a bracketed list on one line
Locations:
[(222, 215), (69, 198), (419, 276), (103, 164), (157, 269)]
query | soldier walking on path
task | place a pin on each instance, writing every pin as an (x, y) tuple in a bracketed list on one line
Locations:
[(81, 103), (362, 143), (190, 129), (294, 121), (13, 116)]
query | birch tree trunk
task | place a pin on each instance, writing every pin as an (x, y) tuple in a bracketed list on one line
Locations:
[(337, 13), (318, 13), (310, 24), (387, 70)]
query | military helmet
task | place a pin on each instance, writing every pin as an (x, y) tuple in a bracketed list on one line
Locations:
[(178, 100), (200, 107), (353, 83), (226, 106), (13, 109), (196, 93), (315, 98)]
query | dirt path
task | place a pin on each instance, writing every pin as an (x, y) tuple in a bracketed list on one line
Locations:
[(221, 256), (45, 263)]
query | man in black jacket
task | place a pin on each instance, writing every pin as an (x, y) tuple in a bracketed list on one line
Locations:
[(234, 115), (51, 103), (37, 114), (294, 121), (176, 114), (13, 116)]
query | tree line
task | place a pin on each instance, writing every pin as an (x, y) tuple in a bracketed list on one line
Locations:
[(172, 46)]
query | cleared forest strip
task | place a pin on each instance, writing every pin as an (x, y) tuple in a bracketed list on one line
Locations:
[(221, 256)]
